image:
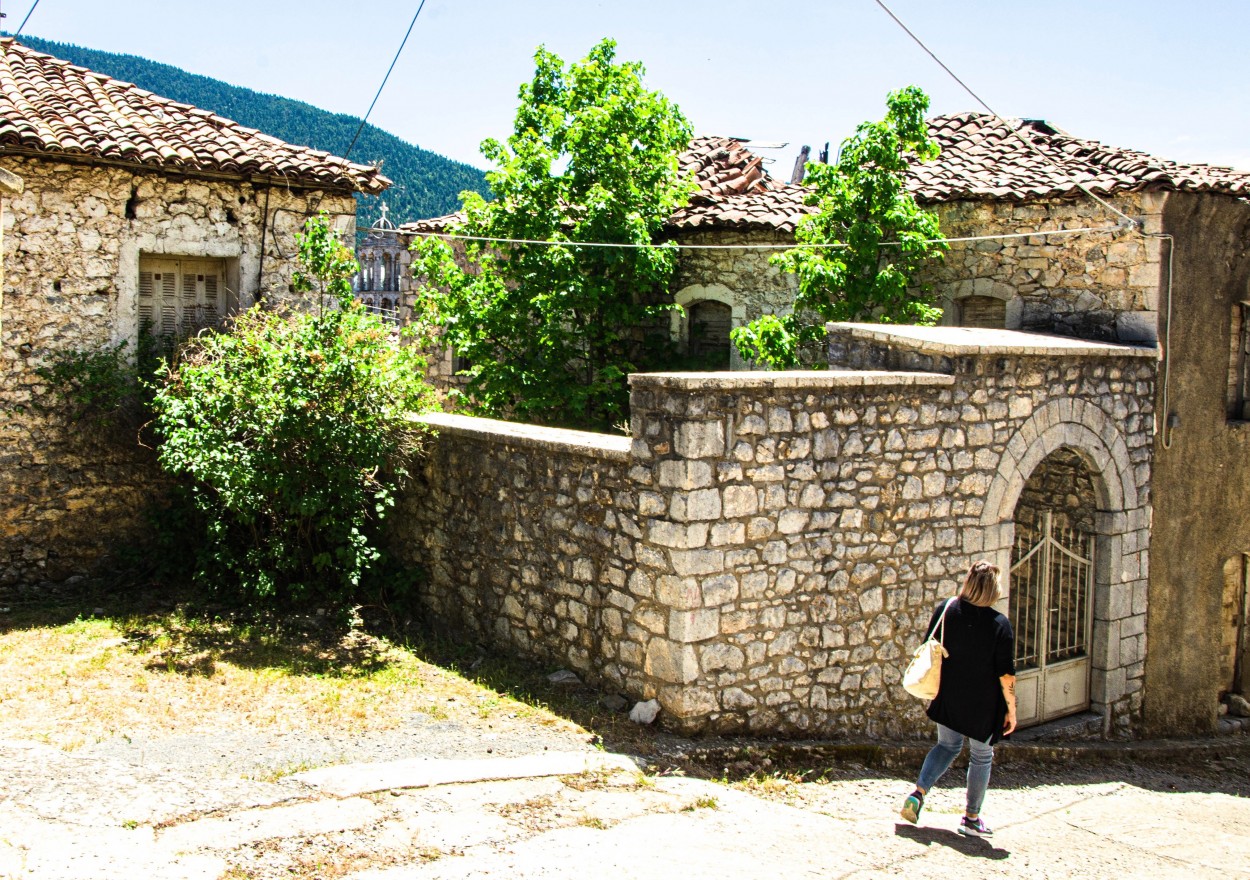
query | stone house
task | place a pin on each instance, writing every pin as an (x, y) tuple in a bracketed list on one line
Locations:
[(138, 212), (1179, 283), (765, 548)]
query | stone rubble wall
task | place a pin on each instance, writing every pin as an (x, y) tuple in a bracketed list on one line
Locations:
[(526, 536), (72, 243), (1092, 285), (769, 549)]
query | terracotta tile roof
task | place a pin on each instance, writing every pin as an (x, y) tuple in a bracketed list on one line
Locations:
[(734, 190), (51, 106), (983, 158)]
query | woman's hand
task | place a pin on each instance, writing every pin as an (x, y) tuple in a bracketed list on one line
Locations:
[(1008, 683)]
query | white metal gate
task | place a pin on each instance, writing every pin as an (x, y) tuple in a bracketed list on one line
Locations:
[(1051, 607)]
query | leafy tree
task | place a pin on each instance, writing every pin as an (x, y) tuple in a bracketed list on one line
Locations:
[(551, 331), (881, 239), (290, 433)]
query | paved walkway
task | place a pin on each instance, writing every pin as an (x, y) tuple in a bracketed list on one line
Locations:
[(588, 813)]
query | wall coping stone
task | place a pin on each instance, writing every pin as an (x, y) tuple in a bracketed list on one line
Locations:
[(607, 446), (972, 341), (814, 379)]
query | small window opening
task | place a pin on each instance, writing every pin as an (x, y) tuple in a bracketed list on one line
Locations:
[(983, 311), (56, 286), (1239, 365)]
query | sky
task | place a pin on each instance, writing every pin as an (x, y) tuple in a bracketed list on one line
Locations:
[(1163, 76)]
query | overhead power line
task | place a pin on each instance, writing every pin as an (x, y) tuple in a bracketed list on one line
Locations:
[(18, 33), (348, 152), (1043, 233), (1128, 221)]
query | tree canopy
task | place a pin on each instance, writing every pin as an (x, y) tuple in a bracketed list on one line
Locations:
[(552, 330), (859, 255)]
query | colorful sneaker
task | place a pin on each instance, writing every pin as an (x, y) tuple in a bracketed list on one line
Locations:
[(974, 828), (911, 807)]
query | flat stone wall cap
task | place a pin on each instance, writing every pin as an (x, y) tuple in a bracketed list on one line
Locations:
[(611, 446), (786, 379), (965, 341)]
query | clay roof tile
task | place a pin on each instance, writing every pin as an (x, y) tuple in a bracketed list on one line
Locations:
[(50, 105)]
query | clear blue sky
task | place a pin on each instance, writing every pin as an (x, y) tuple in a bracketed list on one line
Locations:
[(1164, 76)]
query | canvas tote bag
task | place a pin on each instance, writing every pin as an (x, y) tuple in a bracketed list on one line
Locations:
[(924, 672)]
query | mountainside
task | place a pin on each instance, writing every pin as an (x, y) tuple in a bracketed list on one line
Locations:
[(426, 184)]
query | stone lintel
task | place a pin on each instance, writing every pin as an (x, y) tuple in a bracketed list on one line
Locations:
[(979, 342), (606, 446)]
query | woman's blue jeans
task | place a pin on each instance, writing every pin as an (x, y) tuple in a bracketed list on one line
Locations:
[(938, 761)]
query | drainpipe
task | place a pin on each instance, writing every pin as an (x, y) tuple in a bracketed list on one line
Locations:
[(10, 185)]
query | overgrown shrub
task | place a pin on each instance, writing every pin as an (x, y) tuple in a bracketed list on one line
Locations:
[(291, 433)]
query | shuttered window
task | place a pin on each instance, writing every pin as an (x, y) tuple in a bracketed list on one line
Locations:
[(983, 311), (180, 296)]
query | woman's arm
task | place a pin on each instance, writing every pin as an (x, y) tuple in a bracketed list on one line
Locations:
[(1008, 683)]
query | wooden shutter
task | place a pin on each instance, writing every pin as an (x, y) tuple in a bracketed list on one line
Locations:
[(180, 297), (983, 311)]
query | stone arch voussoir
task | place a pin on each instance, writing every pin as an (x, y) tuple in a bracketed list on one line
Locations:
[(1075, 425)]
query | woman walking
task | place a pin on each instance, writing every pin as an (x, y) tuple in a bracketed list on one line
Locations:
[(976, 699)]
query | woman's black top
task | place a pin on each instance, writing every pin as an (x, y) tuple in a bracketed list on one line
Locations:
[(982, 647)]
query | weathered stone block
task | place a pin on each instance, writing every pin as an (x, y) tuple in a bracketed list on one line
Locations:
[(694, 625), (671, 661), (678, 592), (700, 439)]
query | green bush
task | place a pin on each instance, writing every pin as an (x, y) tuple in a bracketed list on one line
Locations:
[(291, 433)]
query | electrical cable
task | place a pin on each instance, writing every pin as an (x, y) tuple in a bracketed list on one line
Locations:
[(18, 33), (1044, 233), (1128, 221), (361, 128)]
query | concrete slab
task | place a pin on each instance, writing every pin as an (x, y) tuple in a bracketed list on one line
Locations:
[(249, 826), (353, 779)]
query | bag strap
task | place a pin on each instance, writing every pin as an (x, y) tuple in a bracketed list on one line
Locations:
[(940, 626)]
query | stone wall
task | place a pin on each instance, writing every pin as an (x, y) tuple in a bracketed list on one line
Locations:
[(769, 549), (72, 245), (526, 535), (1093, 285), (741, 279)]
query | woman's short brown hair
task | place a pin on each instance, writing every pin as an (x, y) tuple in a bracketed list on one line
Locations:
[(981, 586)]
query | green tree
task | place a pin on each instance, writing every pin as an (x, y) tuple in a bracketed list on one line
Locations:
[(289, 434), (552, 331), (880, 239)]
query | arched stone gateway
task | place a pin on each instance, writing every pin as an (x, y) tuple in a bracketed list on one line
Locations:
[(1064, 518)]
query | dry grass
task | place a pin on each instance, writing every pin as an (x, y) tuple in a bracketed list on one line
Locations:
[(78, 681)]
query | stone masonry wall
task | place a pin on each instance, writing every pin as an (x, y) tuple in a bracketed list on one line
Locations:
[(1092, 285), (769, 549), (72, 244), (526, 535)]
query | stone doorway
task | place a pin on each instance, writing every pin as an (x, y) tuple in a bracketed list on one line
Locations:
[(1052, 588)]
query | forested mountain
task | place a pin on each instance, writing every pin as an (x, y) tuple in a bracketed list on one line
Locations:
[(426, 184)]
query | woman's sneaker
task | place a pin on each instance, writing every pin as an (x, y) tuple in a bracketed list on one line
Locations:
[(975, 828), (912, 806)]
